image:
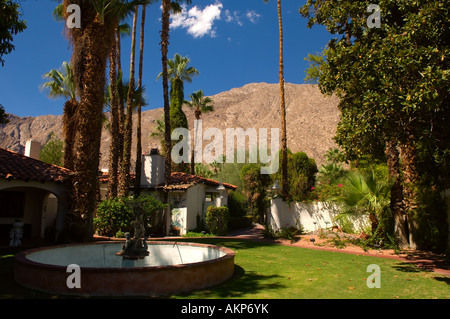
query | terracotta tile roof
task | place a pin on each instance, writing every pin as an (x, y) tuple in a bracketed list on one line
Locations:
[(15, 166), (179, 181)]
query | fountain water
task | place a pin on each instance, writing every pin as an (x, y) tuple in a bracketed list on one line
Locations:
[(137, 267)]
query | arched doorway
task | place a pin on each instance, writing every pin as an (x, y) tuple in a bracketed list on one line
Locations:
[(49, 213), (36, 205)]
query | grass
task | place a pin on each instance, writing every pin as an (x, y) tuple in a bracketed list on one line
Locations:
[(266, 271)]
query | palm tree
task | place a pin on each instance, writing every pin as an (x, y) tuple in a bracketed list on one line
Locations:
[(397, 201), (284, 155), (138, 168), (200, 104), (61, 84), (124, 176), (159, 132), (167, 7), (91, 47), (365, 193), (115, 120), (178, 72), (165, 20)]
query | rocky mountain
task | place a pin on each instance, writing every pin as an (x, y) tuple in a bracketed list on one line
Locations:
[(311, 120)]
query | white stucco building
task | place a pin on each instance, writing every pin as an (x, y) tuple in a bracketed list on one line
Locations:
[(189, 195)]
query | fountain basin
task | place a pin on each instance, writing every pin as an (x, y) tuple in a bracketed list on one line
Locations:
[(171, 267)]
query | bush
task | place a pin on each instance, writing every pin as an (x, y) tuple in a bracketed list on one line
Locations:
[(289, 233), (217, 220), (192, 234), (113, 215)]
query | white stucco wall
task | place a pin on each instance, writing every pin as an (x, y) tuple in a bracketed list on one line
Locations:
[(311, 216), (193, 203)]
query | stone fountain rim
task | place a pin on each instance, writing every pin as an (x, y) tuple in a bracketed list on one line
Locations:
[(22, 257)]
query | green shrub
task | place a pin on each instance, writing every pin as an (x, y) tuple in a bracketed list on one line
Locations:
[(269, 232), (116, 216), (289, 232), (113, 215), (217, 220), (120, 234), (197, 234)]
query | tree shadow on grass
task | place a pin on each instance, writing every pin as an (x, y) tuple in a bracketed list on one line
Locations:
[(408, 267), (443, 279), (415, 267), (241, 284)]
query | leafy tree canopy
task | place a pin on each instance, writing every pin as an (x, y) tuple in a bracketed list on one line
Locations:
[(3, 116), (392, 81), (10, 25), (53, 151)]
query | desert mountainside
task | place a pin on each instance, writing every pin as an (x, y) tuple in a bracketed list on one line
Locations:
[(311, 119)]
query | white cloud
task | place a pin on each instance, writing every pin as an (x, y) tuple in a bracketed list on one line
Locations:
[(236, 16), (198, 22), (233, 17), (252, 16)]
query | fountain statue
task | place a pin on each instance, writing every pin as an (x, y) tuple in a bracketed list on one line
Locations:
[(136, 247)]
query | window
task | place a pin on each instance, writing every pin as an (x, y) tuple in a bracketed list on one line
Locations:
[(210, 196), (11, 204)]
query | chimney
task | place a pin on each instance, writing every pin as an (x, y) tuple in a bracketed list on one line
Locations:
[(33, 149), (153, 168)]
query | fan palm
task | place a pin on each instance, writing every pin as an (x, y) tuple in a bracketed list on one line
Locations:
[(137, 184), (159, 132), (200, 104), (367, 194), (178, 72), (91, 46), (61, 83), (331, 171), (124, 176), (284, 152)]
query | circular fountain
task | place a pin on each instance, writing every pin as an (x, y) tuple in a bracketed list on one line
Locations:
[(166, 268)]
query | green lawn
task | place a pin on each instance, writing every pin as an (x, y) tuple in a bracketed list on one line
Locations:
[(266, 271), (283, 272)]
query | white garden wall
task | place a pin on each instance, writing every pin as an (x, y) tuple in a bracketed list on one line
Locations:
[(311, 216)]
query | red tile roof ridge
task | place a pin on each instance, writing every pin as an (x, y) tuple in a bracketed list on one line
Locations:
[(33, 159), (17, 166)]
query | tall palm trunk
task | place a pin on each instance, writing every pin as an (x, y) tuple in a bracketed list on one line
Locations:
[(197, 114), (69, 130), (410, 180), (137, 183), (115, 142), (285, 182), (164, 50), (121, 98), (91, 45), (396, 202), (165, 21), (124, 181)]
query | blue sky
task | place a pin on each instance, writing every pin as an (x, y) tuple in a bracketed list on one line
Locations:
[(230, 42)]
